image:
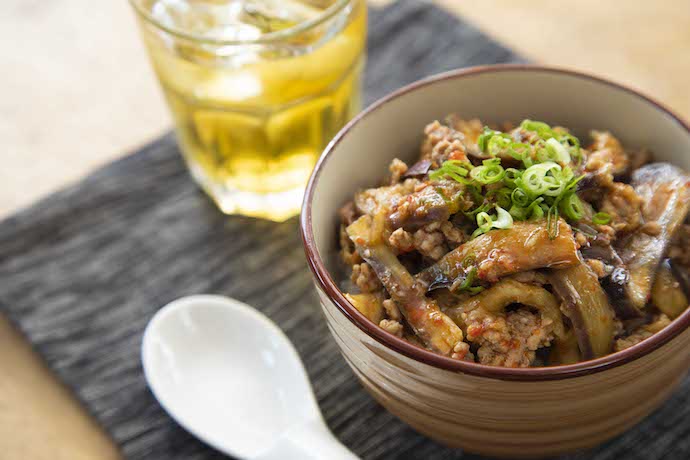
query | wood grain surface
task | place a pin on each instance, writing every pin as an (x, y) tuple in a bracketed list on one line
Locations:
[(85, 269)]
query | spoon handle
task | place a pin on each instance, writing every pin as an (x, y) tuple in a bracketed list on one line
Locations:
[(309, 441)]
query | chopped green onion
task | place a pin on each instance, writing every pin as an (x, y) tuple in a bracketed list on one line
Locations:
[(485, 222), (511, 176), (455, 169), (536, 126), (535, 210), (518, 213), (601, 218), (559, 152), (484, 207), (543, 186), (552, 221), (484, 138), (573, 145), (498, 143), (490, 172), (543, 130), (503, 218), (520, 198), (571, 207), (519, 151), (466, 285), (553, 186), (537, 181), (569, 140)]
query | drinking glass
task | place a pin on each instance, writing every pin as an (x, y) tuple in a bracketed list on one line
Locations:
[(257, 88)]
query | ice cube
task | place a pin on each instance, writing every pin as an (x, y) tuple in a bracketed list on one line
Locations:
[(218, 20), (234, 19)]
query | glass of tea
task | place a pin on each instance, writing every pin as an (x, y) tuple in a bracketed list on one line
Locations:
[(257, 88)]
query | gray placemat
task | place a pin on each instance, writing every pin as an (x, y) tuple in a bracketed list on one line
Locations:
[(84, 270)]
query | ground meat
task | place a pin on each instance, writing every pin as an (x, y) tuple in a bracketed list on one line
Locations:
[(606, 149), (507, 340), (392, 309), (624, 206), (372, 200), (397, 169), (599, 268), (348, 253), (430, 241), (442, 143), (454, 236), (471, 129), (401, 240), (462, 351), (394, 327), (581, 239), (606, 235), (364, 278), (679, 250), (642, 332)]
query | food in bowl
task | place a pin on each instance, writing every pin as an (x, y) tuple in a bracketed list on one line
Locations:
[(517, 247)]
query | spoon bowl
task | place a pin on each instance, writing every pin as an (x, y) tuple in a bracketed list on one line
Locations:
[(231, 377)]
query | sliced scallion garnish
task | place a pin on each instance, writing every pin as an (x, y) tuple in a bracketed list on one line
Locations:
[(490, 172), (571, 207), (541, 185), (455, 169), (601, 218)]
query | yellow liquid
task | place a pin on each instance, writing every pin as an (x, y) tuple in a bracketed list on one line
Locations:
[(252, 132)]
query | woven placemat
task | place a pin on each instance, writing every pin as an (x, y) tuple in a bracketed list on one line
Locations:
[(84, 270)]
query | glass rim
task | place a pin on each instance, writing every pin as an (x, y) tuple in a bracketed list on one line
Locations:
[(271, 37)]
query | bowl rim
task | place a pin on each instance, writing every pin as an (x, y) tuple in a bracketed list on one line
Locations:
[(325, 282)]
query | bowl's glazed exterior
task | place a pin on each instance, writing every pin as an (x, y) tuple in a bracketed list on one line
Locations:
[(482, 409), (506, 418)]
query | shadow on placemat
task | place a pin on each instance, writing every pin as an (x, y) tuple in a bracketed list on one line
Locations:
[(85, 269)]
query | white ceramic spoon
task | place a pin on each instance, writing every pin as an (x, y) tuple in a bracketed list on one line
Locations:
[(229, 375)]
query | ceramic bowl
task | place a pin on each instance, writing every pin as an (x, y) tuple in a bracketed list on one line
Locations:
[(492, 410)]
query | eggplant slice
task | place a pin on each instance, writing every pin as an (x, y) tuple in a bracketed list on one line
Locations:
[(616, 286), (508, 292), (420, 168), (428, 205), (421, 208), (586, 305), (565, 351), (498, 253), (667, 292), (369, 304), (438, 332), (665, 190)]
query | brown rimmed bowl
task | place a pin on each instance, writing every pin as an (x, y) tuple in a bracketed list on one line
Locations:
[(492, 410)]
